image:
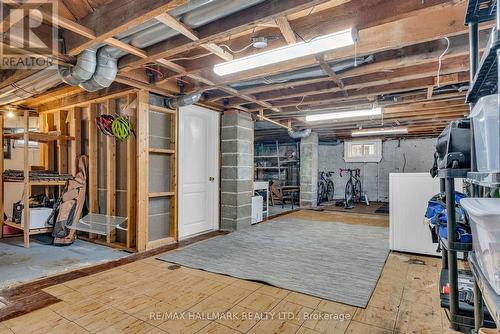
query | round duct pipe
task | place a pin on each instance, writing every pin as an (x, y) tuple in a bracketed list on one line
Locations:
[(182, 101), (299, 134), (82, 71), (105, 72)]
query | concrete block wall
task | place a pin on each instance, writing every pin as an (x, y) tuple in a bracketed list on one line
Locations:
[(309, 171), (405, 156), (236, 170)]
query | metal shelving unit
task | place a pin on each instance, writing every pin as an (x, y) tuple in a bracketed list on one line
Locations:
[(276, 164), (484, 81), (460, 313)]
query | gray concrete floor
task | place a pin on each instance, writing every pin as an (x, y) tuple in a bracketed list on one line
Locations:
[(277, 209), (19, 264)]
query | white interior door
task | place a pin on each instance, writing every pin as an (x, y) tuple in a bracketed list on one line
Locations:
[(198, 170)]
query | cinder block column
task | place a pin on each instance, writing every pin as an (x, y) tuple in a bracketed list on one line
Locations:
[(236, 173), (309, 171)]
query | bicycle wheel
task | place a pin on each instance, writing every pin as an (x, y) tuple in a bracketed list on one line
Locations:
[(321, 192), (349, 194), (330, 189), (357, 191)]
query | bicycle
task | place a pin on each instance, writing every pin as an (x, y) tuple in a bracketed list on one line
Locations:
[(326, 187), (353, 189)]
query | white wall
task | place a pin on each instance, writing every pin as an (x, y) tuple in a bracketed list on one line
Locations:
[(14, 191), (375, 176)]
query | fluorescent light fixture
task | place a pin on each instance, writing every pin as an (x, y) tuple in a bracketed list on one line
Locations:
[(316, 45), (381, 131), (10, 114), (344, 114)]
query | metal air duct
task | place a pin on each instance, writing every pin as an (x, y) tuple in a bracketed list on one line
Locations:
[(299, 134)]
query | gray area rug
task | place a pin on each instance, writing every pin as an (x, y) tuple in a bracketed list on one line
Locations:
[(334, 261), (19, 264)]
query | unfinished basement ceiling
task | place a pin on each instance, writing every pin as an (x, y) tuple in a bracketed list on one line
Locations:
[(411, 58)]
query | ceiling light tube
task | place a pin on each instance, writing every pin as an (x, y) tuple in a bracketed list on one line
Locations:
[(344, 114), (381, 131), (316, 45)]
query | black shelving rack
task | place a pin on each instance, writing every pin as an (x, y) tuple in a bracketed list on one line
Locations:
[(484, 81), (460, 314)]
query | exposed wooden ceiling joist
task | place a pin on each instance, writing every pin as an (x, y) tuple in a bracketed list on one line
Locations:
[(224, 27), (117, 16)]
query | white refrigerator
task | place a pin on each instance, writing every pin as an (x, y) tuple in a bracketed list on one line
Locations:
[(408, 197)]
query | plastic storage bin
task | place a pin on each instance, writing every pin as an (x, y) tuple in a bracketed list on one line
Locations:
[(486, 122), (484, 217)]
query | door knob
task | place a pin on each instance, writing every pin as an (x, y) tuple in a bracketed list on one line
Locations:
[(211, 178)]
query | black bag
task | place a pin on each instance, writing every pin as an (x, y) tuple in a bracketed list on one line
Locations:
[(453, 148)]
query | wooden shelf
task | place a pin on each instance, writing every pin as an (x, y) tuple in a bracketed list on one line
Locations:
[(161, 194), (161, 109), (32, 231), (38, 136), (39, 183), (161, 150)]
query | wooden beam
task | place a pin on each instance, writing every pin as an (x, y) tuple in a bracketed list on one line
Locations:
[(185, 30), (178, 26), (76, 132), (26, 181), (132, 177), (62, 145), (397, 87), (249, 98), (83, 98), (430, 91), (92, 138), (68, 24), (392, 35), (125, 47), (235, 24), (111, 172), (117, 16), (142, 169), (329, 71), (286, 29), (363, 81)]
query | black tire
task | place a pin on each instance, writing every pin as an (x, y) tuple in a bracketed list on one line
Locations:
[(357, 191), (321, 192), (330, 190), (349, 194)]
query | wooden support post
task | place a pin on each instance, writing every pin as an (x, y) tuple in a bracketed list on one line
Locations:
[(111, 172), (27, 189), (76, 132), (50, 151), (1, 179), (62, 145), (92, 131), (142, 169), (174, 139), (132, 178), (42, 125)]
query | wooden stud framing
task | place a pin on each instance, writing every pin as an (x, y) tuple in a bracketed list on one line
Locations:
[(142, 169), (27, 188), (92, 134), (62, 145), (110, 172), (76, 132), (174, 170), (132, 178)]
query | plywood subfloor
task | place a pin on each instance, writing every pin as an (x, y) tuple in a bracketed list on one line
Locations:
[(343, 217), (150, 296)]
